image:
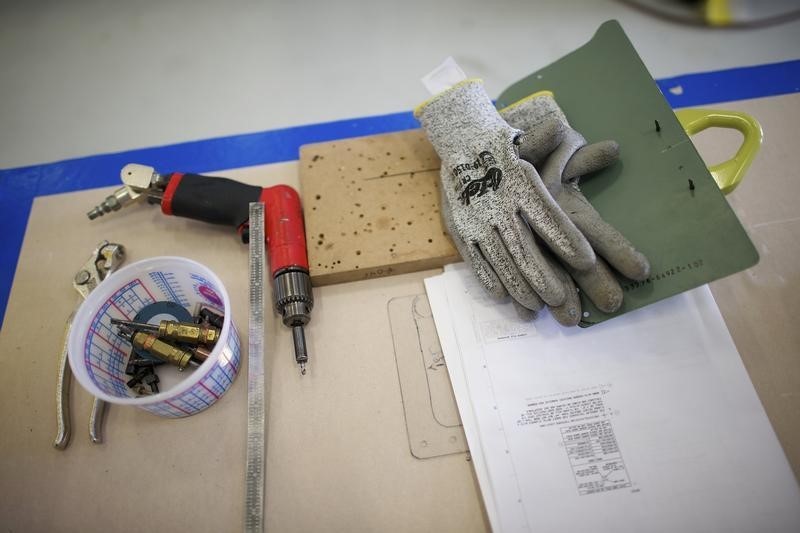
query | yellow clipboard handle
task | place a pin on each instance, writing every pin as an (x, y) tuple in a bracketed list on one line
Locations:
[(729, 173)]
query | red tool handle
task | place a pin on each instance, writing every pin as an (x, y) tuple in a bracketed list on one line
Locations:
[(286, 236), (225, 201)]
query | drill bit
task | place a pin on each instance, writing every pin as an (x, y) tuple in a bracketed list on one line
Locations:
[(294, 301), (300, 351)]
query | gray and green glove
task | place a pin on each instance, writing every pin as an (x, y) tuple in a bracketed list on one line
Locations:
[(494, 204), (561, 170)]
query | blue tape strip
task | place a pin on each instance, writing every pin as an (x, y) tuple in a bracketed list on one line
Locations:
[(732, 84), (19, 186)]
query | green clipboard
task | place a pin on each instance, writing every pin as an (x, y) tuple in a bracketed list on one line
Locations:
[(660, 194)]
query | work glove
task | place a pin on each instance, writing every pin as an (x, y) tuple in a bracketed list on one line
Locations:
[(561, 169), (498, 211)]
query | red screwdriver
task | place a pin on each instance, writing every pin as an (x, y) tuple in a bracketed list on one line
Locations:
[(225, 201)]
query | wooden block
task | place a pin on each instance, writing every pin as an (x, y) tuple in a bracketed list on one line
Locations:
[(372, 207)]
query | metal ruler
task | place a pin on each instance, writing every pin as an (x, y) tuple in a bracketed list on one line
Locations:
[(255, 465)]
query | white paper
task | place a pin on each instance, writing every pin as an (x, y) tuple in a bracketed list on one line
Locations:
[(437, 297), (647, 422), (444, 76)]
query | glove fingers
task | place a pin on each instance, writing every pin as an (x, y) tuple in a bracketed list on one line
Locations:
[(531, 261), (473, 257), (495, 253), (538, 142), (590, 159), (606, 240), (568, 313), (552, 224), (553, 168), (523, 313), (600, 286), (482, 269)]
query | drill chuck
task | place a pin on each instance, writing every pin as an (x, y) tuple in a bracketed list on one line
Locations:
[(294, 301)]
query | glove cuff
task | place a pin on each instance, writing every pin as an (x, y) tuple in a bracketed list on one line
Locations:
[(531, 111), (458, 119)]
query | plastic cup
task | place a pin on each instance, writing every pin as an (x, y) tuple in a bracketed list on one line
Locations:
[(98, 356)]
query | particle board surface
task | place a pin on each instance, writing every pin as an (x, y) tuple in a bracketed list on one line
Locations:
[(372, 207)]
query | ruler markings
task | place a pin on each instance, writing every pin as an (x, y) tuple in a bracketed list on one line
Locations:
[(254, 471)]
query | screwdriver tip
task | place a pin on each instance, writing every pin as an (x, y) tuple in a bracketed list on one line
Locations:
[(302, 369)]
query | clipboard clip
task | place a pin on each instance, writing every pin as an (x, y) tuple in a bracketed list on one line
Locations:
[(730, 173)]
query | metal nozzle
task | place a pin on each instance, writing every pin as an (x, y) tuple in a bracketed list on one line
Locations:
[(162, 350), (177, 331), (137, 179), (157, 348), (115, 202)]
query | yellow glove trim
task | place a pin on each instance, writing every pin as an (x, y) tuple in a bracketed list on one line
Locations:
[(418, 109), (528, 98)]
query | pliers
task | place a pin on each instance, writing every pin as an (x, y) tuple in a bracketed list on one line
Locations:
[(104, 260)]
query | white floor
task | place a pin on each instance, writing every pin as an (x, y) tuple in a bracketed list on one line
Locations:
[(84, 77)]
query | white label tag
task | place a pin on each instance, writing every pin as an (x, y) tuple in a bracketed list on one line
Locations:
[(447, 74)]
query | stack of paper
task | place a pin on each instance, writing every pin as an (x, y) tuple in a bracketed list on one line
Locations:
[(647, 422)]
